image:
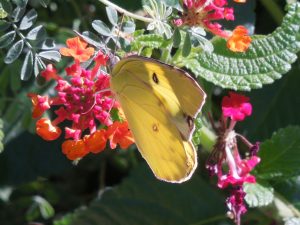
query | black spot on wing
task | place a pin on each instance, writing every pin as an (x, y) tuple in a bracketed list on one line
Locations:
[(155, 78)]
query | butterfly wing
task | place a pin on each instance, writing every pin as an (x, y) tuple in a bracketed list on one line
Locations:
[(170, 157), (180, 94)]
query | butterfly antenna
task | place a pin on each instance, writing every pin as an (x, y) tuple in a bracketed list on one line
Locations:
[(112, 54), (111, 106), (118, 34)]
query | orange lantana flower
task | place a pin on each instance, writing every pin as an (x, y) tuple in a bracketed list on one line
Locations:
[(40, 104), (96, 142), (239, 41), (240, 1), (50, 73), (119, 133), (77, 48), (46, 130), (74, 149)]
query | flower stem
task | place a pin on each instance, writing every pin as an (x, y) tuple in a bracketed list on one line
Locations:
[(127, 13), (208, 138)]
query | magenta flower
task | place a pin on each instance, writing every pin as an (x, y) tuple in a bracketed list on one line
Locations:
[(236, 106), (225, 160), (205, 13), (236, 205)]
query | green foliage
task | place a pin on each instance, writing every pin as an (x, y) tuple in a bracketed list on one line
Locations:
[(1, 135), (268, 57), (38, 47), (280, 157), (258, 195), (275, 106), (40, 206), (292, 221), (141, 199)]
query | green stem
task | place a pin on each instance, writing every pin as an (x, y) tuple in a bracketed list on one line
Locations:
[(210, 220), (165, 55), (127, 13), (208, 138), (284, 207), (274, 10)]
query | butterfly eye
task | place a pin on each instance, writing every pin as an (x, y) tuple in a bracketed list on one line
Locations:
[(154, 78), (190, 122)]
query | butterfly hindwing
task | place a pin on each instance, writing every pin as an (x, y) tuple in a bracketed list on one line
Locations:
[(170, 157)]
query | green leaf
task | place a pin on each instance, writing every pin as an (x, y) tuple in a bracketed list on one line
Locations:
[(147, 41), (5, 9), (15, 82), (38, 65), (45, 208), (101, 28), (51, 55), (3, 13), (274, 106), (187, 45), (44, 3), (128, 27), (37, 33), (91, 38), (7, 38), (14, 52), (28, 20), (280, 155), (142, 199), (112, 15), (18, 13), (20, 3), (258, 195), (1, 136), (176, 38), (292, 221), (4, 25), (27, 66), (46, 44), (66, 220), (40, 206), (267, 58)]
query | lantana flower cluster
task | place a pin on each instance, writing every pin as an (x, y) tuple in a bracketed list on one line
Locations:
[(82, 99), (205, 13), (226, 162)]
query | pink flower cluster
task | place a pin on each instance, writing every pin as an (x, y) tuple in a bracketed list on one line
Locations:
[(205, 13), (81, 99), (225, 161), (84, 101)]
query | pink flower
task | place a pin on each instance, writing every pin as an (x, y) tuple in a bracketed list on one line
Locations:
[(205, 13), (225, 160), (74, 70), (83, 100), (50, 73), (236, 106), (236, 205), (40, 104)]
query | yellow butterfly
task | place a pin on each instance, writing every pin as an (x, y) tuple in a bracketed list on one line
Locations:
[(160, 103)]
